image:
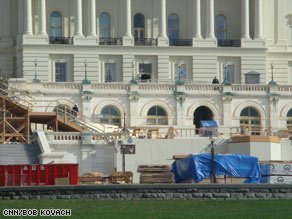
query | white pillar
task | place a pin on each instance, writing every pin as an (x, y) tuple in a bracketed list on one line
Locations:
[(245, 19), (78, 18), (27, 18), (162, 29), (259, 19), (128, 39), (42, 18), (197, 27), (162, 38), (129, 19), (91, 18), (210, 20)]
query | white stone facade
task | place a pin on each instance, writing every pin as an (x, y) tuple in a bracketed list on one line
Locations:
[(261, 27)]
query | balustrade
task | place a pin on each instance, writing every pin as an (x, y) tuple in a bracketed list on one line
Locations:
[(61, 40)]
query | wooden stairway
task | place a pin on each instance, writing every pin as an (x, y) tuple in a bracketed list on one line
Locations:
[(16, 117)]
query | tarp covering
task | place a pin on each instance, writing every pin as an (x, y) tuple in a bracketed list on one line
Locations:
[(198, 167)]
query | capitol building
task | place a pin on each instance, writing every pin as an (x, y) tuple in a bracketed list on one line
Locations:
[(151, 63)]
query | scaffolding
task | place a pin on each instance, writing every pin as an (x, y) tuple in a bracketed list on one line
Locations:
[(18, 111)]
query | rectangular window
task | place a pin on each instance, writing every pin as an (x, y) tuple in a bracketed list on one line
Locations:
[(145, 71), (60, 72), (229, 73), (109, 72), (180, 72)]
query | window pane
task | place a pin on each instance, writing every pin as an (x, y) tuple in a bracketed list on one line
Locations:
[(180, 72), (139, 21), (160, 112), (114, 112), (104, 20), (244, 112), (173, 27), (56, 19), (220, 22), (152, 112), (289, 114), (253, 112), (173, 35), (56, 32), (220, 35), (104, 25), (162, 121), (105, 110), (151, 121), (173, 21), (230, 73), (145, 68), (110, 72), (60, 72)]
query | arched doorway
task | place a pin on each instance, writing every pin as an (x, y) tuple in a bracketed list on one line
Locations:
[(202, 113)]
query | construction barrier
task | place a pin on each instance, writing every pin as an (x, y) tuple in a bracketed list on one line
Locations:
[(39, 175)]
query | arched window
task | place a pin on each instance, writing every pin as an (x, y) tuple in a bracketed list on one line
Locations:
[(110, 115), (156, 116), (221, 27), (55, 24), (173, 27), (289, 119), (250, 121), (104, 25), (139, 26)]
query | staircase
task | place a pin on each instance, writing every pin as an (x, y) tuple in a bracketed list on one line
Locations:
[(19, 154), (17, 114)]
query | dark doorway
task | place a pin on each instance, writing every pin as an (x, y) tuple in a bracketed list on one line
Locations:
[(202, 113)]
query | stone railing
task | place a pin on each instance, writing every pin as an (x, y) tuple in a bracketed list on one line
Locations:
[(151, 85), (62, 86), (151, 192), (206, 87), (249, 87)]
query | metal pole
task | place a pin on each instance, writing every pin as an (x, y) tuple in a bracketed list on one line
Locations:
[(213, 163), (124, 160)]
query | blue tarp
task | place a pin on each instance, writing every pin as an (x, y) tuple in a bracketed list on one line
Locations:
[(198, 167), (208, 124)]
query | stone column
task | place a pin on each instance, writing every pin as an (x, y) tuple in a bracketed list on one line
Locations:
[(91, 18), (42, 18), (162, 38), (78, 18), (197, 26), (259, 20), (210, 23), (27, 18), (128, 39), (129, 19), (245, 19), (162, 30)]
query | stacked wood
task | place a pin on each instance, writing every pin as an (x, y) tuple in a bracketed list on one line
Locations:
[(155, 174), (93, 178)]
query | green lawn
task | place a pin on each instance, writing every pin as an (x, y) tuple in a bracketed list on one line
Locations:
[(159, 209)]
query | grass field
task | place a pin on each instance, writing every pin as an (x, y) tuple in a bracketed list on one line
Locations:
[(159, 209)]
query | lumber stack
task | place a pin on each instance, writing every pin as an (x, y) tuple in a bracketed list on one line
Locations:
[(92, 178), (155, 174)]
